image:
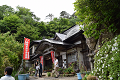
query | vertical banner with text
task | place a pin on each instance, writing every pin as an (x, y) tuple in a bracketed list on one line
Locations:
[(41, 59), (26, 54), (52, 56)]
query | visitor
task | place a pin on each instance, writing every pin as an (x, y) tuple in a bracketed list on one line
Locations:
[(40, 70), (36, 67), (8, 72), (56, 67)]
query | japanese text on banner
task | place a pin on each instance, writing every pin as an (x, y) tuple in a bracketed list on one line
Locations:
[(26, 54)]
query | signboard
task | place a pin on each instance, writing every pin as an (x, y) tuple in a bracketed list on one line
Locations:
[(26, 54), (52, 56), (41, 59)]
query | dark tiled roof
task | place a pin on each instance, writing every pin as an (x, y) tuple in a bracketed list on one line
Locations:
[(35, 41), (72, 31), (56, 42)]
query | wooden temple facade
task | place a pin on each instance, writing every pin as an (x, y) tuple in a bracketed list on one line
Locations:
[(69, 47)]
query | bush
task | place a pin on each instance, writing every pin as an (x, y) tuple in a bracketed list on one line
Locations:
[(60, 70), (10, 52), (107, 60), (48, 74)]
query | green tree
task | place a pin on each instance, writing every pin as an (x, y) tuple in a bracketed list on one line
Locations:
[(42, 29), (64, 14), (50, 16), (10, 23), (10, 52), (28, 32), (98, 16), (57, 25), (5, 10), (27, 16)]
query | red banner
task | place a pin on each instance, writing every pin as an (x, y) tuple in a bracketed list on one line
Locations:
[(52, 56), (26, 54), (41, 59)]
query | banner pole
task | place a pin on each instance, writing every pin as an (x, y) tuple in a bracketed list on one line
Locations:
[(23, 52)]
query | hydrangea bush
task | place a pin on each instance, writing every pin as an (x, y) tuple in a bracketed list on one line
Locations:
[(107, 61)]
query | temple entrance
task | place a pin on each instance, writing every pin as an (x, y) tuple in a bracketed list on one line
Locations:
[(48, 65)]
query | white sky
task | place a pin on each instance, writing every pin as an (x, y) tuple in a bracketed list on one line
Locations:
[(42, 8)]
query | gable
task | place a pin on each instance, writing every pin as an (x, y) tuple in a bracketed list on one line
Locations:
[(60, 37)]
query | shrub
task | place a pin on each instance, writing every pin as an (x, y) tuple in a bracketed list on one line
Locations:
[(10, 52), (60, 70), (48, 74), (107, 60)]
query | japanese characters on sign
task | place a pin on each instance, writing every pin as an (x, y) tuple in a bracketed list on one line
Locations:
[(26, 54), (52, 56)]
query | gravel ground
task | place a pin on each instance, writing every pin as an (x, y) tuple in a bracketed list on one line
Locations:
[(52, 78)]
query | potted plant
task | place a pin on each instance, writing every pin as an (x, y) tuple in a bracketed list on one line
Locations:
[(73, 72), (82, 71), (60, 70), (79, 76), (48, 74)]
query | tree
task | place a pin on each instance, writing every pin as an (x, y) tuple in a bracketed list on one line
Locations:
[(10, 52), (26, 15), (101, 21), (42, 29), (63, 24), (28, 32), (64, 14), (57, 25), (10, 23), (98, 16), (5, 10), (73, 15), (50, 16)]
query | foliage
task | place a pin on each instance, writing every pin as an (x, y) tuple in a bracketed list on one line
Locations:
[(10, 52), (57, 25), (64, 14), (107, 60), (27, 31), (70, 69), (50, 16), (13, 74), (23, 18), (98, 16), (25, 14), (10, 23), (5, 10), (48, 74), (82, 69), (31, 71), (85, 77), (60, 70)]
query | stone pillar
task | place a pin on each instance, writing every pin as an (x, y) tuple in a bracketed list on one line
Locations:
[(91, 56), (80, 56)]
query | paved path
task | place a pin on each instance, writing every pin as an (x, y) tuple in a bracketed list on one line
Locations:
[(52, 78)]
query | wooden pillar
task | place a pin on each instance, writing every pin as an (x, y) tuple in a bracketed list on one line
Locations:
[(80, 56)]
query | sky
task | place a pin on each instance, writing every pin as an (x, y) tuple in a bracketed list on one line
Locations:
[(42, 8)]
